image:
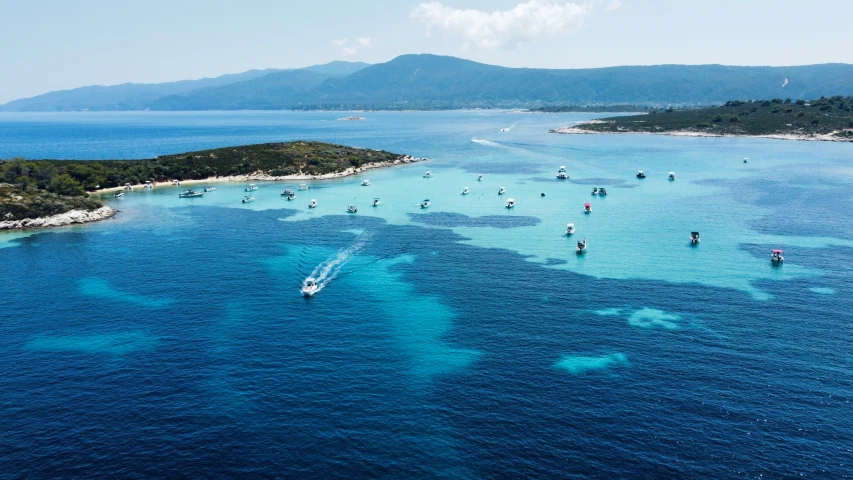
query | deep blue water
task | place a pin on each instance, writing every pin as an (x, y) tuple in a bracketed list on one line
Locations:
[(466, 342)]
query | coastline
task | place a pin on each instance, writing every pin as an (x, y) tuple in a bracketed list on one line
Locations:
[(59, 220), (830, 137), (263, 177)]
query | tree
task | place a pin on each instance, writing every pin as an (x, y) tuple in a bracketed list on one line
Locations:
[(65, 185)]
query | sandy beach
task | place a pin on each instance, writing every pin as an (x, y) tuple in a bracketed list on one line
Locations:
[(263, 177), (575, 130)]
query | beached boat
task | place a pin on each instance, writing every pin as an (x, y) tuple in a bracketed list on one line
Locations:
[(776, 256), (313, 203), (672, 175), (190, 194), (570, 229), (428, 174), (587, 208), (118, 195), (365, 183), (426, 203), (352, 209), (641, 174), (148, 184), (465, 191), (248, 199), (510, 203), (375, 202), (176, 182), (694, 238), (309, 287), (127, 186), (303, 186), (252, 187), (209, 189), (563, 176), (501, 191), (582, 247)]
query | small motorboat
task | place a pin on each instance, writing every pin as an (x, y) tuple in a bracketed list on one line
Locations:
[(252, 187), (672, 175), (248, 199), (426, 203), (365, 183), (287, 192), (582, 247), (303, 186), (118, 195), (127, 186), (465, 191), (776, 256), (587, 208), (176, 182), (510, 203), (641, 174), (428, 174), (209, 189), (479, 178), (309, 287), (694, 238), (562, 169), (570, 229), (563, 176), (746, 160), (602, 192), (148, 184), (501, 191), (375, 202), (352, 209), (190, 194), (595, 190), (542, 194), (313, 203)]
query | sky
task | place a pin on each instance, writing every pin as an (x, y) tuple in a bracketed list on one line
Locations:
[(48, 45)]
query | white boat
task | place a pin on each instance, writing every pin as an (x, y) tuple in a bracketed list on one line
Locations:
[(288, 193), (563, 176), (148, 184), (365, 183), (582, 246), (776, 256), (562, 169), (248, 199), (641, 174), (746, 160), (309, 287), (587, 208), (479, 178), (510, 203), (313, 203), (352, 209), (501, 191), (303, 186), (570, 229), (672, 175), (694, 238), (426, 203), (127, 186), (252, 187), (428, 174), (375, 202), (176, 182), (595, 190), (118, 195), (209, 189), (190, 194), (465, 191)]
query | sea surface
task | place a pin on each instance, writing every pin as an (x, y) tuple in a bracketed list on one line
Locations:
[(463, 340)]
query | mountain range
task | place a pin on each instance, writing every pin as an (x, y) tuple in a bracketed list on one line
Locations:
[(440, 82)]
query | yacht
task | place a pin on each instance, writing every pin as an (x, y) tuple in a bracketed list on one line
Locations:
[(352, 209), (479, 178), (465, 191), (118, 195), (428, 174), (510, 203), (209, 189), (365, 183), (148, 184), (190, 194), (694, 238), (582, 247), (570, 229), (672, 175), (310, 287), (375, 202), (501, 191), (313, 203), (251, 187), (425, 203), (248, 199), (641, 174), (563, 176), (303, 186), (776, 256), (587, 208)]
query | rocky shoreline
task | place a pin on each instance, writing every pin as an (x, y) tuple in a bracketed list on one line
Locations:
[(68, 218), (576, 130)]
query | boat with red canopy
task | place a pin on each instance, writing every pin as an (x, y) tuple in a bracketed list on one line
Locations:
[(587, 208), (776, 256)]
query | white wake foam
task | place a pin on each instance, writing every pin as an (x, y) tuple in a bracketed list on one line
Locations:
[(328, 270)]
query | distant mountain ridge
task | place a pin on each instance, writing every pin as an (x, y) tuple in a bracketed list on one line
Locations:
[(439, 82)]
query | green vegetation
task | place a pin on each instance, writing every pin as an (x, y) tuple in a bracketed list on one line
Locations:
[(768, 117), (35, 188)]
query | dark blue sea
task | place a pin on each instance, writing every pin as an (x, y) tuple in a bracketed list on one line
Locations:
[(464, 340)]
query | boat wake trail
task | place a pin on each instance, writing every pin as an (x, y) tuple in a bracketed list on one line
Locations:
[(486, 142), (328, 270)]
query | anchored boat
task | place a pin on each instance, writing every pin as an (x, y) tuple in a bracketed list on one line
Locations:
[(587, 208), (672, 175), (641, 174), (313, 203), (428, 174), (776, 256), (248, 199), (501, 191), (570, 229), (376, 202), (426, 203), (352, 209), (465, 191), (582, 247), (365, 183), (190, 194), (510, 203), (694, 238)]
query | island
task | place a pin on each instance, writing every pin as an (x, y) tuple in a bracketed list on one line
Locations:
[(827, 118), (44, 193)]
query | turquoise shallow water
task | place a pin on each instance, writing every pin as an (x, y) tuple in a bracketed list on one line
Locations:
[(462, 340)]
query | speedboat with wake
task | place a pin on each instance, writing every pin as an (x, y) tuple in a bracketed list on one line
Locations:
[(190, 194), (570, 229), (309, 287)]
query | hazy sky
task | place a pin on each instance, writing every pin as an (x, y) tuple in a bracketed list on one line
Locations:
[(51, 45)]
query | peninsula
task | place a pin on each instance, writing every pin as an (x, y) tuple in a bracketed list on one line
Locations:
[(827, 118), (41, 193)]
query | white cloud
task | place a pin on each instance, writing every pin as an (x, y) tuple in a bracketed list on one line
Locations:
[(614, 5), (506, 29), (349, 49)]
